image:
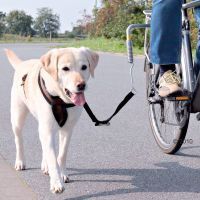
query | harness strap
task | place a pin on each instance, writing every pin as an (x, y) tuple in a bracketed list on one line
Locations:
[(59, 107), (23, 83), (107, 121)]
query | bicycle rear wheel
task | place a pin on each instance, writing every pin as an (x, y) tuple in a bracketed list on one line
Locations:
[(169, 119)]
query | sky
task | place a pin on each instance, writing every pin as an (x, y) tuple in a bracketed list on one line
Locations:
[(68, 10)]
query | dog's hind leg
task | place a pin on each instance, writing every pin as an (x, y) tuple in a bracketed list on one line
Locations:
[(18, 115)]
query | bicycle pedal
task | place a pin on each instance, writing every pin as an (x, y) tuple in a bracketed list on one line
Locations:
[(183, 95), (179, 98)]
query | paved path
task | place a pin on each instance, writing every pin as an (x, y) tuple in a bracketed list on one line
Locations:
[(12, 186), (117, 162)]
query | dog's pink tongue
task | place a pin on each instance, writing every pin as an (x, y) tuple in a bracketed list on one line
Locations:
[(78, 99)]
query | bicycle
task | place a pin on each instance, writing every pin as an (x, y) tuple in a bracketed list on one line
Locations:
[(169, 117)]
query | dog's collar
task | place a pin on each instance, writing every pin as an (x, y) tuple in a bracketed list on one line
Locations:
[(59, 107)]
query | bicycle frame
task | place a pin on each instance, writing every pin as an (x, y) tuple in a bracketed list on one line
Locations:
[(186, 54)]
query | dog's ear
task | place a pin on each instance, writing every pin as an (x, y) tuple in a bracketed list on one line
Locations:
[(50, 63), (92, 58)]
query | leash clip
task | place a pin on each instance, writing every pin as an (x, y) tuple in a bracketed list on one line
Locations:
[(102, 124)]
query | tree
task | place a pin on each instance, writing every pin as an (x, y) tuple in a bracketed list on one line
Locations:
[(2, 23), (18, 22), (47, 23), (69, 34), (112, 19), (83, 25)]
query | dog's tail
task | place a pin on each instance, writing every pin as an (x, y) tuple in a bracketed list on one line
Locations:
[(12, 57)]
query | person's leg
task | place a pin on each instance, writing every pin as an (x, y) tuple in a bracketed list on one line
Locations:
[(197, 57), (166, 33), (165, 44)]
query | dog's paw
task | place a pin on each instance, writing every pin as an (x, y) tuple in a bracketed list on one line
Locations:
[(19, 165), (65, 178), (56, 187), (44, 167)]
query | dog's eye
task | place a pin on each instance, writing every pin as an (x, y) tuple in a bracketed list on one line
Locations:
[(84, 67), (66, 68)]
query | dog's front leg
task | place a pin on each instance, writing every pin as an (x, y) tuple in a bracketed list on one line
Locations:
[(64, 139), (48, 146)]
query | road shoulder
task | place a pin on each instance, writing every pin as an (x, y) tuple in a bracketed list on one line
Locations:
[(12, 187)]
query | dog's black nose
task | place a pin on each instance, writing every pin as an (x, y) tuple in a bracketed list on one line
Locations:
[(81, 86)]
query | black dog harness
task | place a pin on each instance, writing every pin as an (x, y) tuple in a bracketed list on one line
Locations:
[(59, 107)]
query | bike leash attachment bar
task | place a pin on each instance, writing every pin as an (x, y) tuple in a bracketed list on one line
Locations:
[(129, 42)]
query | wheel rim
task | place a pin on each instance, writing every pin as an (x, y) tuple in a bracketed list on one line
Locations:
[(167, 130)]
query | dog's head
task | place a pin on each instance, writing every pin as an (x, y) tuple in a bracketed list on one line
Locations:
[(71, 68)]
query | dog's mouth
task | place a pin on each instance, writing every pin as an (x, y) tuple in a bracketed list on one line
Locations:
[(78, 98)]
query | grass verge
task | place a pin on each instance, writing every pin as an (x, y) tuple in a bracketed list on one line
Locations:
[(97, 44), (102, 44), (11, 38)]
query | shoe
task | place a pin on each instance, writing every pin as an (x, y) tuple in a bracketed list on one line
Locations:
[(169, 83)]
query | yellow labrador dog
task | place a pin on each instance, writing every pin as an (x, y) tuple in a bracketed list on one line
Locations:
[(45, 87)]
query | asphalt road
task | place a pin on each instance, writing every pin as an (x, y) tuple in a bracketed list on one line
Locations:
[(121, 161)]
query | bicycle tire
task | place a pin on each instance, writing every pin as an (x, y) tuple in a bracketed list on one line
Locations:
[(175, 143)]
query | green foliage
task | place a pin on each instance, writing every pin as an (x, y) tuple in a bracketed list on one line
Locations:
[(2, 23), (112, 19), (77, 30), (18, 22), (13, 38), (101, 44), (69, 34), (194, 30), (126, 15), (114, 16), (47, 23)]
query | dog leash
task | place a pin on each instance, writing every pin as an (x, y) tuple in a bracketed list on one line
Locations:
[(126, 99), (106, 122)]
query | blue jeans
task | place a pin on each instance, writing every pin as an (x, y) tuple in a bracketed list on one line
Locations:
[(166, 32), (165, 44), (197, 57)]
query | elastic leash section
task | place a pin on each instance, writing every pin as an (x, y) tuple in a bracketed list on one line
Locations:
[(107, 121)]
